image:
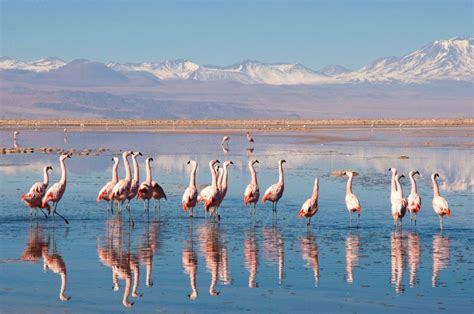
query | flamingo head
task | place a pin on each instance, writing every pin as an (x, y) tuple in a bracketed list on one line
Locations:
[(393, 170), (191, 162), (115, 159), (401, 176), (227, 163), (435, 175), (213, 162), (413, 172), (64, 157), (48, 168), (281, 161), (16, 133)]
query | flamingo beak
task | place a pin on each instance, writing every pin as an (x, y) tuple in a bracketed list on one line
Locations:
[(68, 156), (140, 153), (151, 159), (389, 169), (417, 173), (189, 161), (283, 160), (217, 161), (257, 161), (231, 163), (402, 176)]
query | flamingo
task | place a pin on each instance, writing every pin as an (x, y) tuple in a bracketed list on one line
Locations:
[(55, 192), (225, 141), (190, 195), (352, 203), (310, 207), (122, 188), (414, 200), (210, 194), (158, 193), (223, 181), (56, 264), (275, 191), (106, 190), (250, 138), (399, 203), (15, 138), (136, 178), (252, 192), (144, 190), (440, 205), (393, 185), (35, 196)]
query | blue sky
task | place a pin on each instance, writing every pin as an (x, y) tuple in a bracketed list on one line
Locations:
[(314, 33)]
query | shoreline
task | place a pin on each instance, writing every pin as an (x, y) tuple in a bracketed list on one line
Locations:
[(231, 125)]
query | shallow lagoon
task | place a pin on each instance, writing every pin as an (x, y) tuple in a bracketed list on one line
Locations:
[(244, 262)]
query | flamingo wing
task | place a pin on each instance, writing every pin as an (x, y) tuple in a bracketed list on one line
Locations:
[(38, 187), (273, 192)]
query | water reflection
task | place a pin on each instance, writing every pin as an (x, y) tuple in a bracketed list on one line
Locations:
[(440, 257), (38, 246), (116, 254), (310, 254), (397, 260), (251, 256), (190, 261), (352, 255), (214, 249), (413, 256), (147, 248), (273, 249)]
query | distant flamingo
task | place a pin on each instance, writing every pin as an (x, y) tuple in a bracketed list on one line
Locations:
[(223, 182), (55, 193), (225, 140), (190, 195), (414, 200), (106, 190), (252, 192), (210, 194), (136, 179), (275, 191), (352, 202), (122, 188), (250, 138), (399, 203), (440, 205), (310, 207), (15, 138), (34, 197), (144, 190)]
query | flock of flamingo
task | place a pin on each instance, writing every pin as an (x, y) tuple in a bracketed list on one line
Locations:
[(122, 191)]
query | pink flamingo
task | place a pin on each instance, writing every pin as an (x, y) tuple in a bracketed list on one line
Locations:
[(144, 190), (55, 193), (106, 190), (250, 138), (190, 195), (399, 203), (210, 194), (136, 179), (275, 191), (310, 207), (223, 182), (414, 200), (122, 188), (352, 202), (440, 205), (252, 192), (35, 196)]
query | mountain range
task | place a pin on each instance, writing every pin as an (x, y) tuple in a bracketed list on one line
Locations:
[(436, 79)]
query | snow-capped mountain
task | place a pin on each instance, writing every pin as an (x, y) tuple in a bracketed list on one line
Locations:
[(168, 70), (450, 59), (41, 65), (440, 60)]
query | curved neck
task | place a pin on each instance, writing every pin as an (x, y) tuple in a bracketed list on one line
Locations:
[(393, 184), (399, 187), (435, 187), (63, 172), (136, 171), (214, 176), (253, 173), (224, 178), (115, 172), (315, 190), (192, 179), (128, 174), (46, 177), (349, 185), (281, 179), (413, 185), (148, 171)]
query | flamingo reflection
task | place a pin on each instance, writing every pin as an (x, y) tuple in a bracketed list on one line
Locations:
[(273, 249), (214, 249), (440, 257), (190, 262), (37, 247), (309, 253), (397, 254), (413, 256), (251, 257), (352, 255), (120, 259), (147, 249)]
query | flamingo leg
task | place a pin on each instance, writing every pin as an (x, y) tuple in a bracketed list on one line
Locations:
[(415, 219), (130, 219), (65, 220), (45, 216), (358, 219), (441, 222)]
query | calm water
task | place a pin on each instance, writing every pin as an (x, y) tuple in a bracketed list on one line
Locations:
[(169, 263)]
